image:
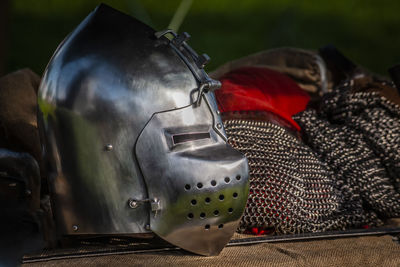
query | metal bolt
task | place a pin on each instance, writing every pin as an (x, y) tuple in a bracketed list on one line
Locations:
[(219, 125), (218, 112), (147, 227), (108, 147), (133, 204), (75, 228)]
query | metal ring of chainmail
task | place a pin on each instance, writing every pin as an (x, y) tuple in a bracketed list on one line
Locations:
[(345, 175)]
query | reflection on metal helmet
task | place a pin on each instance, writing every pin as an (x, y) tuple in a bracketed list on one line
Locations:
[(135, 139)]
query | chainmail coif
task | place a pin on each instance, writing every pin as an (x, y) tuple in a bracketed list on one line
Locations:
[(347, 176)]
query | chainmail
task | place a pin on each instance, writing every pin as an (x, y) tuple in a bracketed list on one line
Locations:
[(358, 135), (345, 175)]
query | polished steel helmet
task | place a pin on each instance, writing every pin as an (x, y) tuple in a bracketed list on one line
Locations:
[(134, 137)]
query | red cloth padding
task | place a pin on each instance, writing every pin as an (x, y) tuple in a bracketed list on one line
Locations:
[(252, 88)]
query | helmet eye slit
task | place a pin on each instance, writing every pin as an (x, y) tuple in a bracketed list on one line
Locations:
[(188, 137)]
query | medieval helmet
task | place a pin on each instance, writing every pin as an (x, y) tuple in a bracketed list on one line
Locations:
[(135, 139)]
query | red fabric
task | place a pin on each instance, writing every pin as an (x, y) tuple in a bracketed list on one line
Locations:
[(259, 231), (252, 88)]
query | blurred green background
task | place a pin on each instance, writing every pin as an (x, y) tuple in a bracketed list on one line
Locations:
[(366, 31)]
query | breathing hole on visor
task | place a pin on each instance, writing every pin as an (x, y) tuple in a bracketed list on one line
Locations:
[(238, 177), (235, 195), (199, 185), (213, 183), (190, 216), (183, 138), (227, 179), (221, 226), (216, 212), (230, 210), (207, 227), (187, 187), (194, 202), (207, 200), (221, 197), (202, 215)]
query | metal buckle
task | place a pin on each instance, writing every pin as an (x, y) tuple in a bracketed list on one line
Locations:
[(205, 87)]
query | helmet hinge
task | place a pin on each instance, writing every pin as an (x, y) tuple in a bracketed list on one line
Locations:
[(154, 203)]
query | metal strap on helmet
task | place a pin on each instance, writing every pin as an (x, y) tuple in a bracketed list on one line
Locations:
[(178, 43)]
